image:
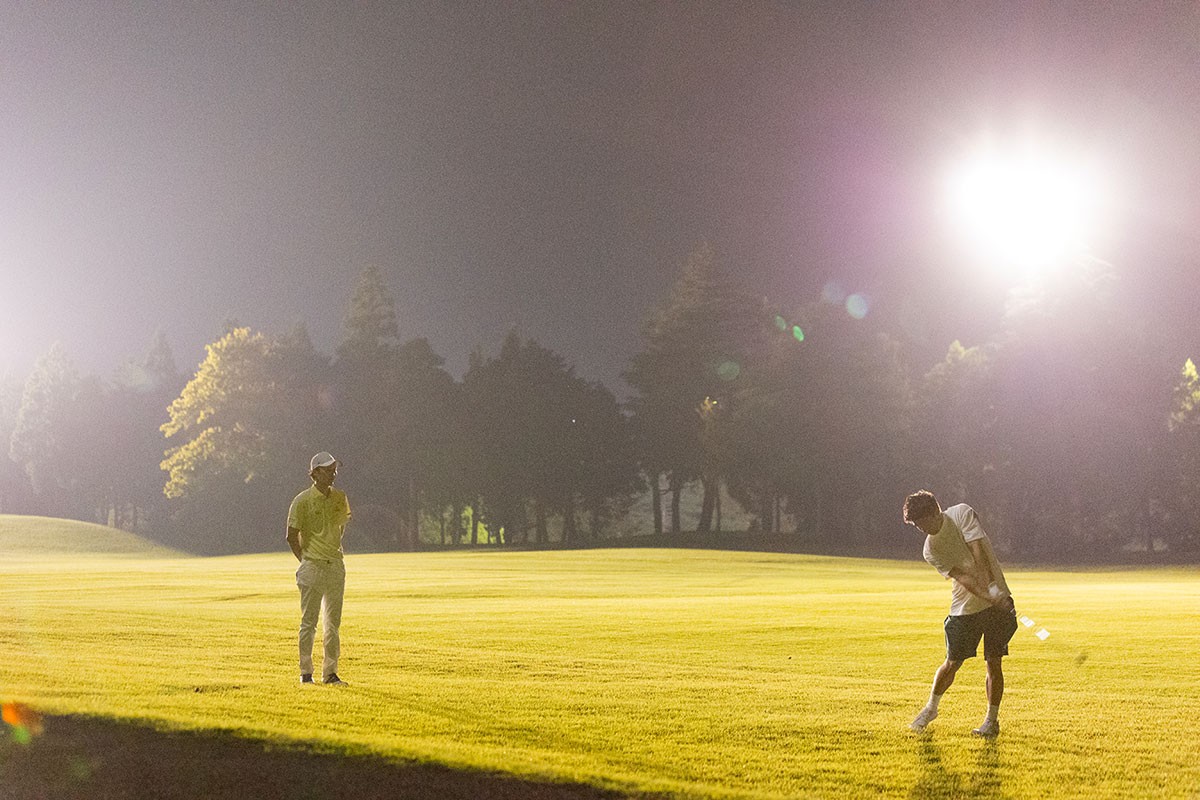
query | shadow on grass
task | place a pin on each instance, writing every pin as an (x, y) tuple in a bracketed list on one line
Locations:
[(87, 757), (938, 781)]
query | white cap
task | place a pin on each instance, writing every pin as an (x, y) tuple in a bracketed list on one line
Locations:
[(321, 459)]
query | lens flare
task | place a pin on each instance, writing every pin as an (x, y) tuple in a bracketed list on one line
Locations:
[(24, 721), (857, 306), (833, 293), (782, 324)]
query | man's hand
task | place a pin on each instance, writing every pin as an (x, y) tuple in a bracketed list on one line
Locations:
[(293, 540), (1001, 598), (977, 585)]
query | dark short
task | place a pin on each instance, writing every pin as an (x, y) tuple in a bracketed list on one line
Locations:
[(994, 625)]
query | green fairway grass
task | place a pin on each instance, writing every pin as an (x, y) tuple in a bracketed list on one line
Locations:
[(37, 536), (685, 673)]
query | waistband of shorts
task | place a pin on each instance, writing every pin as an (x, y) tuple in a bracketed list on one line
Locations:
[(326, 561)]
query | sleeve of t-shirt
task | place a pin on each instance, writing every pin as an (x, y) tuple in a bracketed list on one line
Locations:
[(939, 566), (294, 515), (970, 527)]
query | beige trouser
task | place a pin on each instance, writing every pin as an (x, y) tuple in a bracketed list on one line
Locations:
[(322, 585)]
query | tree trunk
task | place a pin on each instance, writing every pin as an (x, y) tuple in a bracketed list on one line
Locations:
[(542, 536), (569, 530), (414, 516), (676, 491), (707, 504), (456, 526), (718, 507), (656, 500)]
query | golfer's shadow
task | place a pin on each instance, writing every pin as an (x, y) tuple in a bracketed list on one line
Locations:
[(939, 781)]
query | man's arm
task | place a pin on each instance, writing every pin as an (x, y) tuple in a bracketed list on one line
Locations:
[(979, 580), (972, 581), (983, 564), (293, 540)]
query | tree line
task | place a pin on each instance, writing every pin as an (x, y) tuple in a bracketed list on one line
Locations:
[(1074, 443)]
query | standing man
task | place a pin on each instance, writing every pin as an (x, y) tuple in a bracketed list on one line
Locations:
[(316, 522), (980, 603)]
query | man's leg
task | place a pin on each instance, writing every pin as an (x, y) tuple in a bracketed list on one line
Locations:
[(990, 728), (310, 608), (962, 641), (334, 593), (1002, 623), (941, 682), (995, 681), (945, 676)]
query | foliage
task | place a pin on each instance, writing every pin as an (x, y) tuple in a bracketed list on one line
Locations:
[(602, 471), (90, 448), (213, 414), (694, 345), (1080, 391), (958, 443), (1185, 414), (15, 488), (545, 439), (820, 424), (1180, 499), (41, 440), (1060, 427), (241, 433), (138, 399), (370, 326), (392, 400)]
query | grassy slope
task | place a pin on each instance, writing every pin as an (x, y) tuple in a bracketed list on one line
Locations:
[(23, 537), (691, 673)]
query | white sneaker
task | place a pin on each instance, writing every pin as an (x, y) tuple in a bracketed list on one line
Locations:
[(926, 716), (990, 729)]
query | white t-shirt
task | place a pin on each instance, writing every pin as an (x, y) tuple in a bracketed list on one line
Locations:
[(948, 549)]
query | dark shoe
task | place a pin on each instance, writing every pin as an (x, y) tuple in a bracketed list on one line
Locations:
[(334, 680), (306, 678)]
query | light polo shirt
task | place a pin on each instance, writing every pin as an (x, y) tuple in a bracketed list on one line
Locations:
[(949, 549), (321, 521)]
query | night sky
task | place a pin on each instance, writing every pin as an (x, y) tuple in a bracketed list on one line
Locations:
[(548, 166)]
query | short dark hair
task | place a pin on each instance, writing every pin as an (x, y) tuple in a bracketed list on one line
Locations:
[(919, 505)]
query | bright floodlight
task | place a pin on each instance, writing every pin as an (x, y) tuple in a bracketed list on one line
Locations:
[(1024, 211)]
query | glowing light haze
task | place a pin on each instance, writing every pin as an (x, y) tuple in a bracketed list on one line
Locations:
[(1028, 209), (548, 166)]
